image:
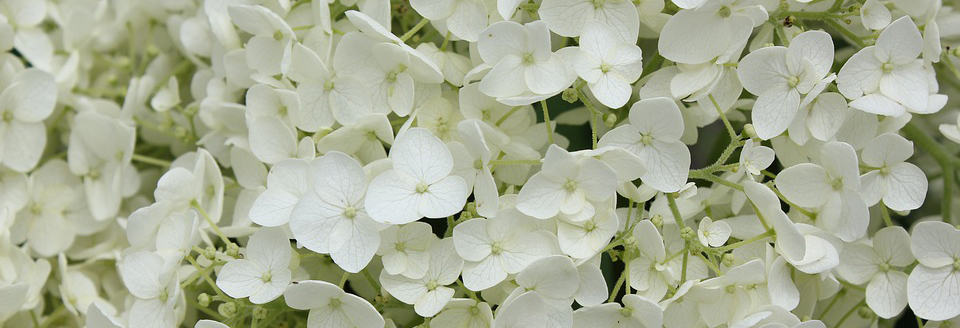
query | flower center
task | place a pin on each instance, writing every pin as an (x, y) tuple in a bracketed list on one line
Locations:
[(422, 188), (956, 265), (400, 246), (278, 35), (432, 284), (477, 164), (724, 12), (626, 311), (328, 85), (590, 226), (163, 295), (646, 140), (282, 111), (598, 3), (7, 116), (528, 58), (350, 212), (496, 248), (730, 289), (474, 310), (884, 267), (887, 67), (605, 67), (884, 170), (570, 185), (335, 303), (371, 135), (793, 81), (837, 184), (266, 277)]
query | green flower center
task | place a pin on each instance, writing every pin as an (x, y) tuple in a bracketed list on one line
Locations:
[(887, 67), (528, 58), (570, 185), (477, 164), (7, 116), (350, 212), (837, 184), (646, 140), (422, 188), (266, 277), (400, 246), (496, 248), (724, 12), (335, 303), (278, 35)]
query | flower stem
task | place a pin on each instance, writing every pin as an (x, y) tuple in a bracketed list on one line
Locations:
[(723, 117), (546, 119), (416, 28), (736, 245), (885, 214), (496, 162), (206, 217), (150, 160), (847, 315)]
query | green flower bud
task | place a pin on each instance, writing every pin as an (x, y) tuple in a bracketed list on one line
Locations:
[(259, 313), (727, 259), (687, 233), (750, 131), (203, 300), (570, 95), (233, 250), (609, 119), (227, 310), (657, 221), (865, 312)]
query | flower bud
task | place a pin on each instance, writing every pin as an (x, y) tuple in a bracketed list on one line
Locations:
[(233, 250), (259, 313), (727, 259), (865, 312), (609, 119), (687, 233), (228, 310), (210, 253), (570, 95), (657, 221), (750, 131), (203, 300)]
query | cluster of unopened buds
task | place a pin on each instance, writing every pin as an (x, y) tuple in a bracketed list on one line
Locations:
[(479, 163)]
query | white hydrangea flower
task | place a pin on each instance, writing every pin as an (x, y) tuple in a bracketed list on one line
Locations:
[(263, 274), (713, 234), (653, 134), (833, 187), (498, 246), (524, 68), (154, 283), (932, 291), (330, 306), (420, 183), (566, 184), (902, 186), (635, 312), (463, 18), (331, 219), (878, 265), (607, 63), (888, 78), (28, 99), (785, 79), (430, 293), (572, 17), (695, 36), (404, 249)]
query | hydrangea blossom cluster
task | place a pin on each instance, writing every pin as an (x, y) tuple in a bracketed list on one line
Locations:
[(479, 163)]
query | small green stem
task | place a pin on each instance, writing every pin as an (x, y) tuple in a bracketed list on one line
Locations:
[(406, 36), (507, 114), (616, 288), (724, 249), (150, 160), (546, 119), (496, 162), (206, 217), (847, 315), (723, 117), (885, 214), (343, 279), (369, 277)]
